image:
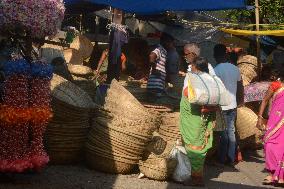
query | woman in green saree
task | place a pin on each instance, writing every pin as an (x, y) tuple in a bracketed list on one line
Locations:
[(196, 126)]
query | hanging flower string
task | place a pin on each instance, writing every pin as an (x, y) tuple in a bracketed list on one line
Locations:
[(24, 114), (40, 18)]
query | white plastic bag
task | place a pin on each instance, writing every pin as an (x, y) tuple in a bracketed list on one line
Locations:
[(204, 89), (183, 168)]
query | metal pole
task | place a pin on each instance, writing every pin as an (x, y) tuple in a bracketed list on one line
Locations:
[(257, 39)]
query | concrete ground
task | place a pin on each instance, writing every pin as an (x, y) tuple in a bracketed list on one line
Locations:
[(247, 175)]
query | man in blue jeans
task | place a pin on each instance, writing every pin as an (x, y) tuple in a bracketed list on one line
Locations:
[(231, 77)]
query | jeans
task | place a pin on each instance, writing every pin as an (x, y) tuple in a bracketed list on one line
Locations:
[(227, 147)]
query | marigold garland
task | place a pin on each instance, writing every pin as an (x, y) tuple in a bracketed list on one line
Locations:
[(15, 115)]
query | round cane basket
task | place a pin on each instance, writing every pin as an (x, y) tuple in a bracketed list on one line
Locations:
[(100, 137), (83, 45), (246, 127), (70, 93), (73, 56), (158, 168), (89, 86), (49, 52), (248, 67), (80, 70)]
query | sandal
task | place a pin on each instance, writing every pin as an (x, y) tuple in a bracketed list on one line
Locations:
[(279, 184), (268, 180)]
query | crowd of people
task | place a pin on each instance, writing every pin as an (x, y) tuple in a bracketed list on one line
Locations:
[(197, 122)]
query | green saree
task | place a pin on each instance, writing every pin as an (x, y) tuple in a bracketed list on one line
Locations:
[(197, 133)]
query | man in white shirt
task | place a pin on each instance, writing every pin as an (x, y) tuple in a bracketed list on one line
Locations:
[(191, 52), (231, 77)]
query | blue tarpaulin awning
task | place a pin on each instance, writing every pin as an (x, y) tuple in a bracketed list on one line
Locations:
[(146, 7)]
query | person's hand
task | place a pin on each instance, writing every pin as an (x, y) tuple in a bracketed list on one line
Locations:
[(259, 124)]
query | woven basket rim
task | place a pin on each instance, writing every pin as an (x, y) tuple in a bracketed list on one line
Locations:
[(117, 140), (115, 137), (110, 153), (117, 148), (125, 131)]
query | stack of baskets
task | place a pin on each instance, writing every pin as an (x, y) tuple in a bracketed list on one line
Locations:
[(67, 131), (158, 168), (250, 136), (113, 149), (169, 128), (118, 139), (248, 67)]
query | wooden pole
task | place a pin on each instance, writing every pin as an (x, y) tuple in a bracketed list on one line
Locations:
[(257, 40)]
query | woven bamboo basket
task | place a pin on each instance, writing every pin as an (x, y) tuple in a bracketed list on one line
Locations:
[(49, 52), (114, 147), (248, 67), (83, 45), (158, 149), (170, 132), (89, 86), (171, 118), (68, 92), (110, 143), (116, 138), (73, 56), (113, 153), (246, 127), (80, 70), (127, 105), (157, 145), (158, 169)]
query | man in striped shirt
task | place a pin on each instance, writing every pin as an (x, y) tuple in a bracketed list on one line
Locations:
[(157, 77)]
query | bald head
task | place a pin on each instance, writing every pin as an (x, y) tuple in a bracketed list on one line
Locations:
[(193, 48)]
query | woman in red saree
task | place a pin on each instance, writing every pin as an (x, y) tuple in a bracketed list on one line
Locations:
[(274, 136)]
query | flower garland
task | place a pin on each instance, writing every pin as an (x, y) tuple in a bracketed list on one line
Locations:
[(18, 107), (40, 18), (24, 114)]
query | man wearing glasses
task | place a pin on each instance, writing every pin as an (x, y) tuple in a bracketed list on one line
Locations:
[(191, 52)]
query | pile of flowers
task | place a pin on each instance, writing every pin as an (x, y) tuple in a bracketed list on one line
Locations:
[(40, 18)]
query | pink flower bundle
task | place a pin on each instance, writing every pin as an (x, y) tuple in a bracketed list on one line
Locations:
[(39, 17)]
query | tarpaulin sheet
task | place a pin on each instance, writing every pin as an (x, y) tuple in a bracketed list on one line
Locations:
[(145, 7)]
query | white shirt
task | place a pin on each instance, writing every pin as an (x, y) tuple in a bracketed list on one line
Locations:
[(230, 75), (185, 82)]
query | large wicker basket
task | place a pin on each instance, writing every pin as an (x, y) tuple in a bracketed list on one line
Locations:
[(158, 168), (73, 56), (66, 133), (80, 70), (246, 127), (83, 45), (248, 67), (169, 128), (70, 93)]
